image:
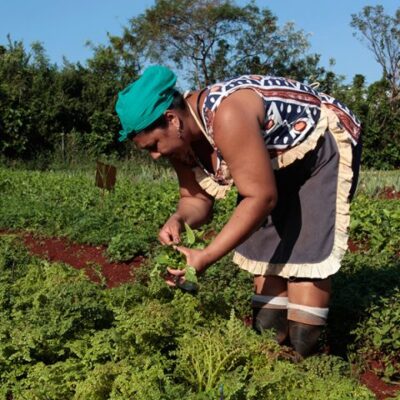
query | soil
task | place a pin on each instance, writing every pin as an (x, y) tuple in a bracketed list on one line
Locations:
[(89, 258), (358, 246), (354, 247), (389, 193), (381, 389), (92, 259)]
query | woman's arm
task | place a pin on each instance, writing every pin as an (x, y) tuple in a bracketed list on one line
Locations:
[(237, 134), (194, 206)]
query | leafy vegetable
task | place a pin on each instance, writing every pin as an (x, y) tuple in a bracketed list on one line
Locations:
[(63, 337), (190, 236)]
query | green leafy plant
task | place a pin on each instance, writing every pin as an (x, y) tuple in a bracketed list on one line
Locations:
[(205, 355), (377, 338), (125, 245), (169, 257), (363, 278), (375, 224), (62, 337)]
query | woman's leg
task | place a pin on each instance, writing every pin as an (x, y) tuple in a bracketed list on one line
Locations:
[(307, 312), (270, 305)]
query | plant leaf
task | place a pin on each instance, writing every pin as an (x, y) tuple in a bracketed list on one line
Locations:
[(191, 238), (163, 259), (190, 274)]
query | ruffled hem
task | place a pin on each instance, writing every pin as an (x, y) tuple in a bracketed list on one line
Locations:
[(210, 186), (314, 271), (332, 263), (298, 152)]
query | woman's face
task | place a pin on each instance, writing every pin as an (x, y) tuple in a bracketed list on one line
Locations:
[(164, 142)]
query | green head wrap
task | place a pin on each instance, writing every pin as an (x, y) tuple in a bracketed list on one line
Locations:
[(145, 100)]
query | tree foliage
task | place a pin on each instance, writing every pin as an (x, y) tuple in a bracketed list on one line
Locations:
[(49, 111), (381, 109), (382, 35), (26, 106), (46, 109), (215, 39), (266, 48), (193, 34)]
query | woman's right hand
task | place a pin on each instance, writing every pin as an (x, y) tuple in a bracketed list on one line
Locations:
[(170, 233)]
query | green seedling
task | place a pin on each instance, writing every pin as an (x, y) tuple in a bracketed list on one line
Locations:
[(169, 257)]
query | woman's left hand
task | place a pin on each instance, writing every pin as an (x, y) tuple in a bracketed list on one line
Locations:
[(196, 258)]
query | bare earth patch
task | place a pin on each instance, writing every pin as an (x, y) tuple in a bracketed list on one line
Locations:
[(80, 256), (389, 193)]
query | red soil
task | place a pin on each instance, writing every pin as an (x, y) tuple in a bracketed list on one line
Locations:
[(82, 257), (88, 257), (354, 247), (389, 193), (381, 389)]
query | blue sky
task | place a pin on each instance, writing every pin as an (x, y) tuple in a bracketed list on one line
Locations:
[(64, 27)]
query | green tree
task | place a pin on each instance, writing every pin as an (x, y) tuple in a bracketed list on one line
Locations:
[(189, 33), (381, 122), (355, 96), (266, 48), (70, 115), (213, 39), (105, 75), (109, 70), (26, 82), (381, 129), (381, 32), (46, 110)]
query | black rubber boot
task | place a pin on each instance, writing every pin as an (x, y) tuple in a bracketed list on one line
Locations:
[(304, 337), (268, 318)]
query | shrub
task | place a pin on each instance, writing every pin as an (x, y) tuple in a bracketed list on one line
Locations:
[(377, 338)]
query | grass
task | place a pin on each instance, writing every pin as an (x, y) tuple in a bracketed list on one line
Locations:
[(371, 182)]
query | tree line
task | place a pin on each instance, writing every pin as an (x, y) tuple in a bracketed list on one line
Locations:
[(67, 110)]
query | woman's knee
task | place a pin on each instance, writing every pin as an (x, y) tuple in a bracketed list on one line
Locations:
[(308, 307), (269, 304), (310, 292)]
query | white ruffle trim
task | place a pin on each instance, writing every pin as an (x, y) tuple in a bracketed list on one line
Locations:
[(209, 185), (332, 263), (314, 271)]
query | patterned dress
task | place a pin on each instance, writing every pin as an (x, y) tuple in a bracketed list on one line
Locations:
[(311, 139)]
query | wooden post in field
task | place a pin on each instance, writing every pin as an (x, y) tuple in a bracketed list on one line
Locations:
[(106, 176), (63, 146)]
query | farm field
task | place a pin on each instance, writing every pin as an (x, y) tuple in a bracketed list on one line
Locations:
[(111, 329)]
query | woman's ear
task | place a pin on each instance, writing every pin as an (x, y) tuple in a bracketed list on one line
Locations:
[(172, 119)]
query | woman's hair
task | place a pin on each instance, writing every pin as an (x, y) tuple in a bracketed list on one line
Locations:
[(178, 103)]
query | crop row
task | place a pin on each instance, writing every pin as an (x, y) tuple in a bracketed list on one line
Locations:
[(78, 338), (63, 337)]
